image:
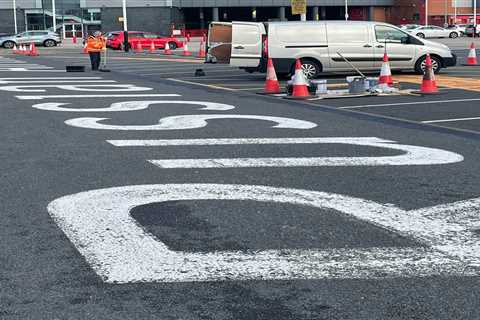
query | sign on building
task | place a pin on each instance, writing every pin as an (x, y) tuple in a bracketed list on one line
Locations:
[(299, 6)]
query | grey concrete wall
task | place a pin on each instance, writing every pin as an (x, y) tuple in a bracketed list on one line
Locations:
[(153, 19), (7, 25)]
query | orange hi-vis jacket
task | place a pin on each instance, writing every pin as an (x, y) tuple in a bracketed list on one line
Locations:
[(95, 44)]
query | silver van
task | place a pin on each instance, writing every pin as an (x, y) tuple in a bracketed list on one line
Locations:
[(320, 45)]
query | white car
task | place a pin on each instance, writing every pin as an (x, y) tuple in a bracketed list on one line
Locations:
[(409, 26), (459, 27), (434, 32)]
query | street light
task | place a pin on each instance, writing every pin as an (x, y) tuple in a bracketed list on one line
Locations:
[(346, 9), (54, 16), (426, 12), (15, 16)]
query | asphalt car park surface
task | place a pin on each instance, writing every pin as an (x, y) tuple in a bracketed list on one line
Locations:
[(364, 250), (453, 108)]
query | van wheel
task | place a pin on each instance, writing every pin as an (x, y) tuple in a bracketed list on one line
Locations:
[(311, 68), (420, 65), (453, 35), (420, 35)]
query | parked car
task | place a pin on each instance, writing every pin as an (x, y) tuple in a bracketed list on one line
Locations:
[(458, 27), (409, 26), (39, 37), (115, 40), (469, 31), (245, 45), (434, 32)]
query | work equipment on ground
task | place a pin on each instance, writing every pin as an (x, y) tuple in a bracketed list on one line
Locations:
[(104, 68), (75, 68), (201, 51), (472, 56), (186, 52), (300, 86), (429, 85), (166, 49), (272, 86), (139, 48), (33, 50), (385, 73), (152, 47)]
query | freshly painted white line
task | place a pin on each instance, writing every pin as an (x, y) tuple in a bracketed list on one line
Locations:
[(98, 223), (76, 96), (182, 72), (413, 155), (133, 105), (52, 78), (54, 81), (26, 70), (450, 120), (79, 87), (409, 103), (184, 122)]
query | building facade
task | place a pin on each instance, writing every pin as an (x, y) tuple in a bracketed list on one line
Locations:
[(77, 17)]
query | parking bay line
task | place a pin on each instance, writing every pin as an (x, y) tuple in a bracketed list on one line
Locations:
[(450, 120), (408, 103), (176, 73), (200, 84), (40, 97)]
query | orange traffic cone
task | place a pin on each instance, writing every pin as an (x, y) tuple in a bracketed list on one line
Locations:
[(299, 83), (152, 47), (138, 47), (186, 52), (33, 50), (85, 48), (201, 52), (74, 39), (15, 49), (429, 85), (271, 83), (385, 72), (22, 49), (472, 57), (166, 49)]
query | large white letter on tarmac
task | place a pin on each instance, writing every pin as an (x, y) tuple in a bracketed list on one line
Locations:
[(413, 155), (99, 224), (77, 87), (184, 122), (132, 106)]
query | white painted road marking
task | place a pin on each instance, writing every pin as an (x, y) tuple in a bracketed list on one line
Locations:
[(76, 96), (54, 81), (184, 122), (408, 103), (132, 106), (79, 87), (99, 225), (414, 155), (450, 120)]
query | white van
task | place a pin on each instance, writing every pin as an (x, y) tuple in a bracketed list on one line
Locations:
[(318, 44)]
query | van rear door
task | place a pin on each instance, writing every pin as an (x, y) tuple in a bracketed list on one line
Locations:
[(219, 43), (246, 43)]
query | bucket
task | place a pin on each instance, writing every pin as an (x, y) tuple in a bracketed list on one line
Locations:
[(370, 83), (321, 86), (356, 85)]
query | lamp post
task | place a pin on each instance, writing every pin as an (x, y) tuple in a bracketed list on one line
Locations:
[(346, 9), (125, 26), (54, 16), (426, 12), (15, 16)]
